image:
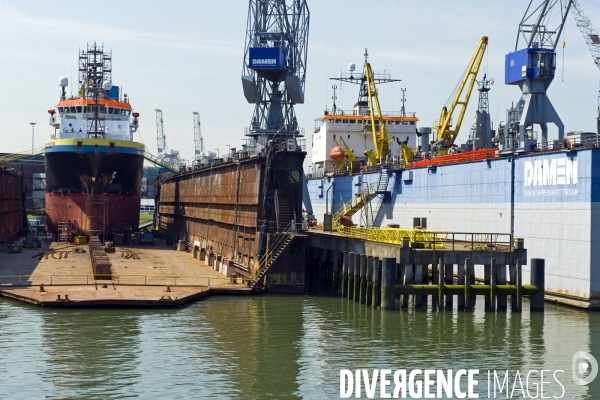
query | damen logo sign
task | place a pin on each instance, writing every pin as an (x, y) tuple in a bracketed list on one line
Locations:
[(550, 172)]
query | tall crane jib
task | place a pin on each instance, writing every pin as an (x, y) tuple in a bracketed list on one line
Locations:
[(532, 68), (381, 141), (592, 39), (274, 70), (446, 133)]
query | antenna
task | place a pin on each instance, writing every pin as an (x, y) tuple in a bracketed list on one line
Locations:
[(334, 97), (403, 110)]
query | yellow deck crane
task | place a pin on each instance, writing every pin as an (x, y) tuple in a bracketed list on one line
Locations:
[(446, 133), (377, 125)]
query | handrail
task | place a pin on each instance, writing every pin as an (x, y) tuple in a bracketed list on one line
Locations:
[(277, 244), (21, 155), (90, 279)]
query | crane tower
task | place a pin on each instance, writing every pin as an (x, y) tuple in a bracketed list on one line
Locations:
[(161, 140), (198, 140), (592, 39), (532, 68), (274, 70), (164, 154)]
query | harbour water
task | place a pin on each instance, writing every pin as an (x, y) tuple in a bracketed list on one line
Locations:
[(280, 347)]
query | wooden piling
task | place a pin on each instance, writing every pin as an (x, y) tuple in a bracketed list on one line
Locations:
[(460, 299), (493, 283), (356, 294), (473, 300), (449, 275), (501, 297), (512, 280), (345, 274), (407, 279), (467, 282), (369, 279), (434, 280), (538, 270), (388, 280), (518, 297), (335, 277), (376, 282), (350, 291), (418, 300), (363, 279), (441, 284), (487, 281)]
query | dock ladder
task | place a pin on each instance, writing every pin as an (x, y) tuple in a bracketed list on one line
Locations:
[(278, 246), (361, 201)]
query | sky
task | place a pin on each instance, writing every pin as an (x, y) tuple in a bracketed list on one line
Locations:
[(186, 56)]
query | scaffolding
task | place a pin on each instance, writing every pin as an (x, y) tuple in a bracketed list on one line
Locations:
[(95, 75), (96, 210)]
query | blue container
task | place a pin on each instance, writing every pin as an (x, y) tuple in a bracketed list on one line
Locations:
[(266, 58)]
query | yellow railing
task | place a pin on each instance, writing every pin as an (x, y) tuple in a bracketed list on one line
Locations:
[(429, 238), (355, 201)]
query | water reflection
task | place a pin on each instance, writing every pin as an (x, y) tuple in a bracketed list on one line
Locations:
[(274, 346), (90, 352)]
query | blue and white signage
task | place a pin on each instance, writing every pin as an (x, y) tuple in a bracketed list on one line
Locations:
[(266, 58)]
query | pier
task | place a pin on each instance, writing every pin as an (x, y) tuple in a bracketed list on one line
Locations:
[(392, 277)]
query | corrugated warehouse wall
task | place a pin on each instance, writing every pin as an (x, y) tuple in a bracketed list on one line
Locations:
[(11, 203)]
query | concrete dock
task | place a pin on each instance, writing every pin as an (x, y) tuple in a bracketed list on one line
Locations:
[(155, 276)]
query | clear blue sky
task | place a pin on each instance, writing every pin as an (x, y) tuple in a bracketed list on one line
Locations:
[(187, 56)]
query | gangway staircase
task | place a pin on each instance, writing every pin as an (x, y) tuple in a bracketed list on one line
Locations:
[(276, 248), (21, 155), (362, 200), (161, 162)]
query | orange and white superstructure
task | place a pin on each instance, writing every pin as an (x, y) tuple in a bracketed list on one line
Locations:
[(71, 118), (354, 126), (351, 126)]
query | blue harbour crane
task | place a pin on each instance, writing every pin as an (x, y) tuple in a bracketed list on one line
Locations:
[(532, 67), (274, 70)]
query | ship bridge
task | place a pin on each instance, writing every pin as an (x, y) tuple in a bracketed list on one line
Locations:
[(71, 118)]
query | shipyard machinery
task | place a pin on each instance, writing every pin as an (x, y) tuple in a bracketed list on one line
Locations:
[(344, 157), (199, 152), (532, 68), (165, 154), (592, 39), (446, 133), (381, 141), (368, 94), (481, 131), (201, 156), (274, 70)]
